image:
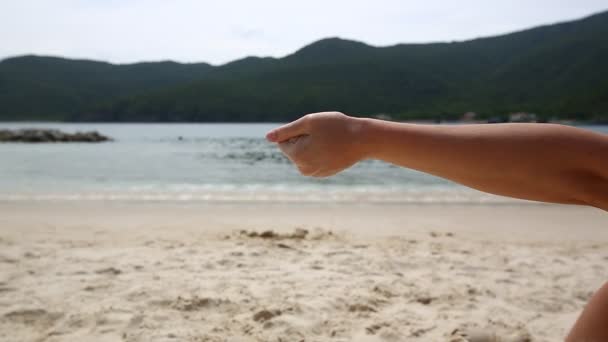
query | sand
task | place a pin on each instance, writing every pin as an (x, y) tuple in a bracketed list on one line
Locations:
[(242, 272)]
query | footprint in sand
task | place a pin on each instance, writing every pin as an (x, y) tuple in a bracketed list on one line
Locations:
[(5, 288), (109, 270), (33, 317), (482, 335), (191, 304)]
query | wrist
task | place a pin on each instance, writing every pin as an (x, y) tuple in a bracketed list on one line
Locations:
[(362, 129)]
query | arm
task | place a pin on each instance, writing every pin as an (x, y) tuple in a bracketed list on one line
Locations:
[(541, 162)]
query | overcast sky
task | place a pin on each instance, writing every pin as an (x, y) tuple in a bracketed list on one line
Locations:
[(124, 31)]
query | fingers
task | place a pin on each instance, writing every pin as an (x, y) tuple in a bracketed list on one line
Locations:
[(297, 150), (288, 131), (293, 147), (287, 148)]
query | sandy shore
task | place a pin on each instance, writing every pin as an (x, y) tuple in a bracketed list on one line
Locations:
[(115, 271)]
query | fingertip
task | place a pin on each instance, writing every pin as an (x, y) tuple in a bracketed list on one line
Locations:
[(272, 136)]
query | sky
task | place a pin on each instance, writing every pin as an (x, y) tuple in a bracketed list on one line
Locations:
[(219, 31)]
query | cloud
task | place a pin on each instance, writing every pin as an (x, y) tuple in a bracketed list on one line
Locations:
[(220, 31), (247, 34)]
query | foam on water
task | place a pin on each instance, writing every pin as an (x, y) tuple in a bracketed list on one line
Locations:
[(261, 193)]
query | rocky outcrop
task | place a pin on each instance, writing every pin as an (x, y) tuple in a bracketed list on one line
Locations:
[(50, 136)]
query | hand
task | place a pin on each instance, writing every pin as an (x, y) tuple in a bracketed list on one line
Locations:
[(321, 144)]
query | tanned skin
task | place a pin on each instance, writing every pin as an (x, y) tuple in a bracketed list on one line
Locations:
[(539, 162)]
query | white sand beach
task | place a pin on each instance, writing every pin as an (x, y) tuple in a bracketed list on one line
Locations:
[(110, 271)]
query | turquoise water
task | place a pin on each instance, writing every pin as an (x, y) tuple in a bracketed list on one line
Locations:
[(211, 162)]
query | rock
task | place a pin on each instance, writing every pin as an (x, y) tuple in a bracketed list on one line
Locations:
[(5, 135), (49, 136)]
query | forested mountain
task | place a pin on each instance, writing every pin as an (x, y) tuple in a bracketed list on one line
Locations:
[(557, 70), (34, 87)]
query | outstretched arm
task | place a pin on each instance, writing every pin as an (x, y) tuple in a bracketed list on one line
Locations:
[(541, 162)]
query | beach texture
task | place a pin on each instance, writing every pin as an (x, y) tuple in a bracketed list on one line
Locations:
[(71, 272)]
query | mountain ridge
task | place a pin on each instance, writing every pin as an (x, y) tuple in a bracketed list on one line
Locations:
[(554, 70)]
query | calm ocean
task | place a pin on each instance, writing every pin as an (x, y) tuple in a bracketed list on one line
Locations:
[(210, 162)]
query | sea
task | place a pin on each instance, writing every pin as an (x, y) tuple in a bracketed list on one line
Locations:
[(201, 162)]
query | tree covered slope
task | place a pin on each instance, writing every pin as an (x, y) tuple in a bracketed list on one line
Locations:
[(558, 70)]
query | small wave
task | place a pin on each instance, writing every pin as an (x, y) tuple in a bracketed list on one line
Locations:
[(276, 194)]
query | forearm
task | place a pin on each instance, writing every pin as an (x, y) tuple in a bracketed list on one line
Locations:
[(551, 163)]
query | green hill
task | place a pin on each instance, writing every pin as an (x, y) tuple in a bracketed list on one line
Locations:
[(52, 88), (555, 71)]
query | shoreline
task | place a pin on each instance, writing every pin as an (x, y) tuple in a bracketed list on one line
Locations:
[(296, 194), (517, 221)]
